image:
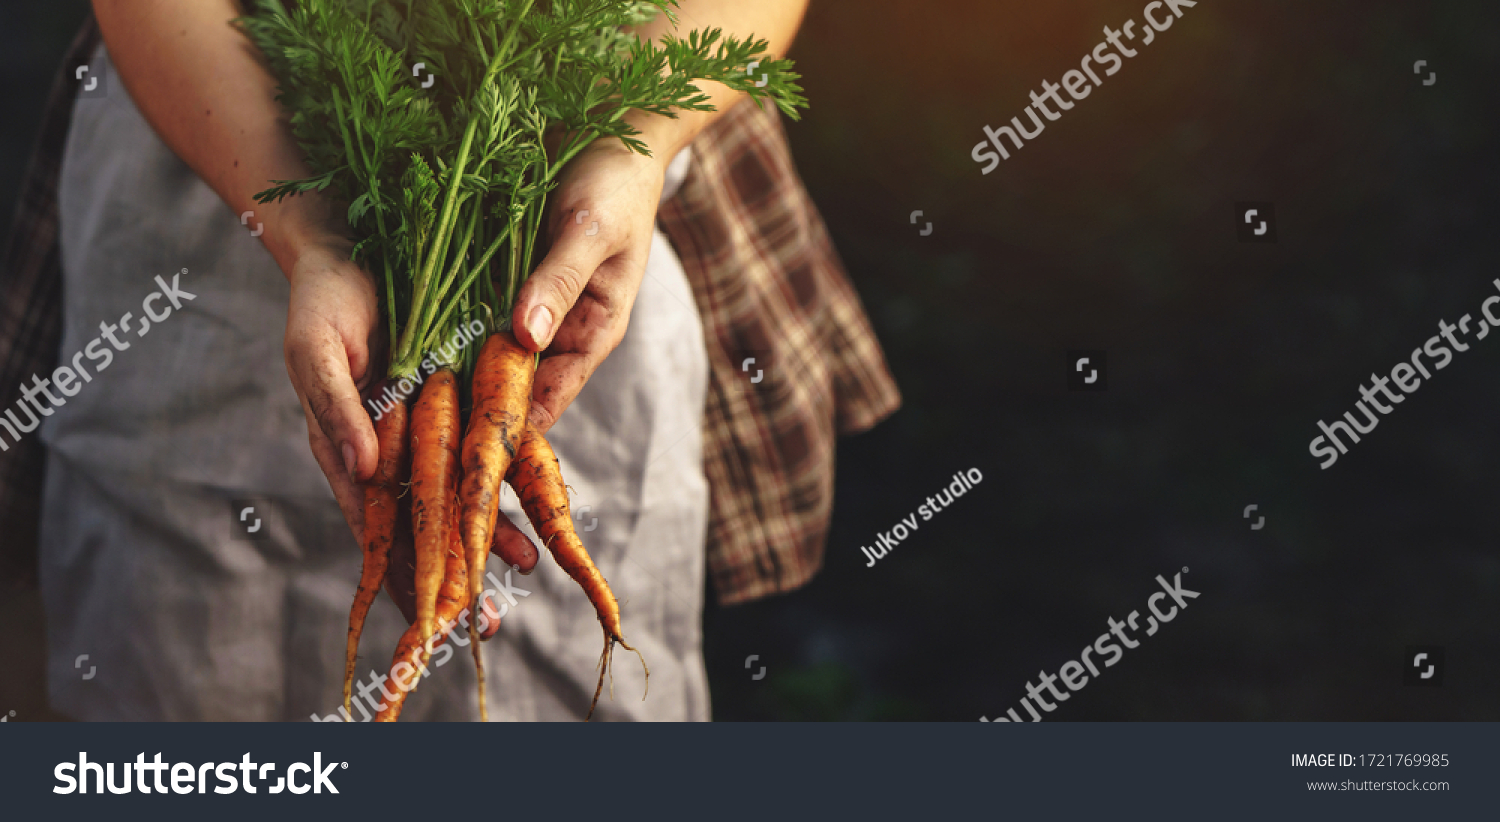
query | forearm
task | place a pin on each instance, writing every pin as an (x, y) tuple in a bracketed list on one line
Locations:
[(775, 21), (199, 84)]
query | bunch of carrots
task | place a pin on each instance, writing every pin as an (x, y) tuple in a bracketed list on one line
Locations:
[(446, 173), (454, 495)]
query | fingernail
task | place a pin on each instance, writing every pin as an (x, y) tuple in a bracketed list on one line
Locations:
[(350, 461), (540, 324)]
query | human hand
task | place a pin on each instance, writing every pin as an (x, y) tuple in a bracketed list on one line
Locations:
[(333, 325), (588, 282), (335, 349)]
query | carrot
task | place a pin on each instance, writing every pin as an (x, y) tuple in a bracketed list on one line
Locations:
[(538, 481), (400, 582), (434, 482), (415, 647), (381, 494), (502, 397)]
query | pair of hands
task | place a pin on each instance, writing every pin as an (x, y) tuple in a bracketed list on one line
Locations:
[(574, 309)]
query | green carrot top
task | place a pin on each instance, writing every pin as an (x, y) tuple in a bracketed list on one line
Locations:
[(443, 124)]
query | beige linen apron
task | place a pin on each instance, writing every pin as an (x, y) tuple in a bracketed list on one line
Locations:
[(160, 603)]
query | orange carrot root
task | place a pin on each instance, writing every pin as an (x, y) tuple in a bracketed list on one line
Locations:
[(381, 494), (537, 478), (434, 483), (415, 648), (502, 397)]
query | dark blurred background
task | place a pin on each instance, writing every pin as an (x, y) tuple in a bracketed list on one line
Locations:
[(1115, 230)]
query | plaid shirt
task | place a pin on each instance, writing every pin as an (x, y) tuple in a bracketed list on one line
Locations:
[(793, 360)]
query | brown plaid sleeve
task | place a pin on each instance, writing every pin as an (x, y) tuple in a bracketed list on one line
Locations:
[(31, 313), (793, 359)]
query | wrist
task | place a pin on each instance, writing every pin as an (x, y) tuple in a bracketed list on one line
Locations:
[(302, 225), (666, 136)]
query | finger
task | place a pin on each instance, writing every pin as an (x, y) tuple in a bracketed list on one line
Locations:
[(558, 380), (321, 370), (349, 495), (400, 575), (592, 330), (513, 547), (490, 619), (549, 293)]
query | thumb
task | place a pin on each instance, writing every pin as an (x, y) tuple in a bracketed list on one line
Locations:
[(551, 291)]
